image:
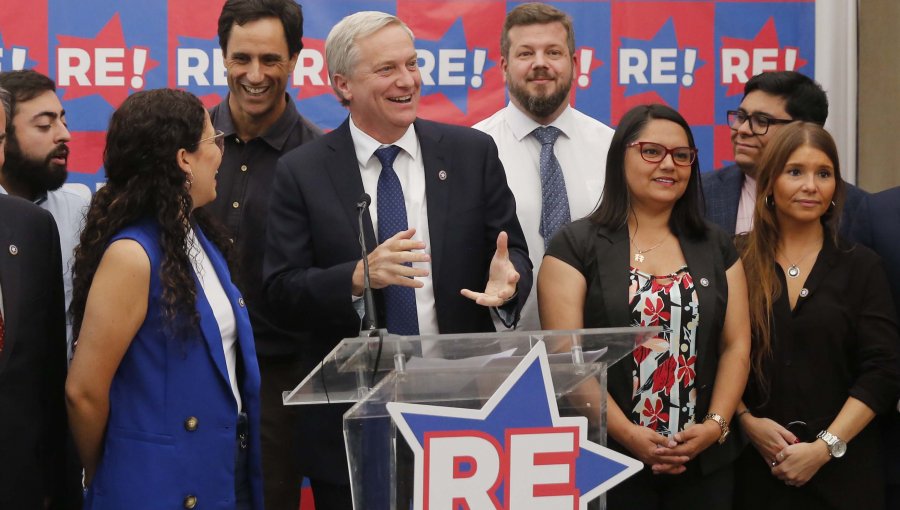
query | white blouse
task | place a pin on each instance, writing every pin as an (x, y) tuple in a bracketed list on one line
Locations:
[(221, 308)]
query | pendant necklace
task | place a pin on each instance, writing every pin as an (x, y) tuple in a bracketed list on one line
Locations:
[(794, 269), (639, 253)]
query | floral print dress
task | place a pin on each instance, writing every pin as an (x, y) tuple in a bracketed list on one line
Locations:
[(664, 376)]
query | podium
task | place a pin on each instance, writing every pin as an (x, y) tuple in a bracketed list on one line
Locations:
[(453, 371)]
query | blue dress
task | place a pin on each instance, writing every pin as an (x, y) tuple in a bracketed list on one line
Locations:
[(170, 441)]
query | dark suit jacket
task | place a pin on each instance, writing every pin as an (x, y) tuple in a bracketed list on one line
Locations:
[(876, 224), (722, 194), (33, 361), (602, 256), (312, 248)]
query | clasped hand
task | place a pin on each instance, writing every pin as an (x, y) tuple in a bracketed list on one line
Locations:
[(669, 455), (791, 461)]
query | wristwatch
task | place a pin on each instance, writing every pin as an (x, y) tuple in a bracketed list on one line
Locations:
[(723, 425), (836, 447)]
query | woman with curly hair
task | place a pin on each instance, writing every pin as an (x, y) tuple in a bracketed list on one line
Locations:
[(825, 341), (163, 391)]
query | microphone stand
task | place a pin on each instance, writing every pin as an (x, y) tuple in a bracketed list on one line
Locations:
[(369, 324)]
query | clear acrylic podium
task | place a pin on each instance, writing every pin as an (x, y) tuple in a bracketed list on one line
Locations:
[(460, 371)]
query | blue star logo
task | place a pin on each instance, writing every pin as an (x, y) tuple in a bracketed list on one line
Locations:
[(522, 412), (676, 66), (449, 68)]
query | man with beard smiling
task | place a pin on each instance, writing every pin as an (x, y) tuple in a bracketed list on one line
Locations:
[(36, 162), (554, 155), (260, 41)]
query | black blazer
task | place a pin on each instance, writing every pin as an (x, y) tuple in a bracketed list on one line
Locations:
[(312, 248), (602, 256), (876, 224), (33, 361)]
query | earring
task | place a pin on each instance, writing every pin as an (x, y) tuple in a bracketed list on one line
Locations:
[(769, 201), (190, 180)]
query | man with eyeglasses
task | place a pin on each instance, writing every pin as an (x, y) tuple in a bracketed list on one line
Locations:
[(770, 101), (261, 41)]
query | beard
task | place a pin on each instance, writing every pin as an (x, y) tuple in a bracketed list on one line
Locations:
[(539, 105), (39, 176)]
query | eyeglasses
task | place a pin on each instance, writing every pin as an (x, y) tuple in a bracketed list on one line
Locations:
[(218, 139), (759, 123), (654, 153)]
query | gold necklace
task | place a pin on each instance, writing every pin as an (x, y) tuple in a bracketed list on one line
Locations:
[(639, 253)]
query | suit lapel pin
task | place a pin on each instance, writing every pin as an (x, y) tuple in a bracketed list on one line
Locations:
[(13, 249), (442, 175)]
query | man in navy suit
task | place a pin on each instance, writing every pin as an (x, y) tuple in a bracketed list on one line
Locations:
[(875, 224), (445, 247), (32, 354), (770, 100)]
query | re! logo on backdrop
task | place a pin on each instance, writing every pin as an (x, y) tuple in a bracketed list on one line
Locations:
[(692, 55), (515, 453)]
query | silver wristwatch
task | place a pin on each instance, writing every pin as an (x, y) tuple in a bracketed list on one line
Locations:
[(836, 447)]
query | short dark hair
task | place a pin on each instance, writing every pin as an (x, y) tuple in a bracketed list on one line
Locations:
[(615, 204), (536, 13), (805, 99), (23, 86), (244, 11)]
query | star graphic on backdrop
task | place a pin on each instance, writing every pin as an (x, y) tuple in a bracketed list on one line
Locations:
[(665, 38), (14, 58), (470, 66), (135, 63), (767, 37), (525, 400)]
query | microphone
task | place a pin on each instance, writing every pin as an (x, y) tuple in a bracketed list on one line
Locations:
[(369, 323)]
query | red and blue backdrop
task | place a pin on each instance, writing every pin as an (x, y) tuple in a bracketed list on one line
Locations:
[(692, 55)]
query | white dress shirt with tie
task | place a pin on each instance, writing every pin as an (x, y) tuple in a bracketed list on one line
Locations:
[(581, 150), (410, 169)]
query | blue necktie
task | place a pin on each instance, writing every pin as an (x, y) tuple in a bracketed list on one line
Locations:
[(554, 200), (400, 302)]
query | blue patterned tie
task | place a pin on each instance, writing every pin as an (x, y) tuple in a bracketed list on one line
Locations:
[(554, 200), (400, 302)]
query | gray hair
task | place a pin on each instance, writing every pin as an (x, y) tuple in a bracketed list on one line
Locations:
[(5, 100), (341, 52)]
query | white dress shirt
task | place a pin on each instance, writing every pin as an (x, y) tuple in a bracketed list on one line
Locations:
[(581, 150), (744, 221), (221, 308), (410, 169)]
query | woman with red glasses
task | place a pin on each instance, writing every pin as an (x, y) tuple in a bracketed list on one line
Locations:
[(646, 257)]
